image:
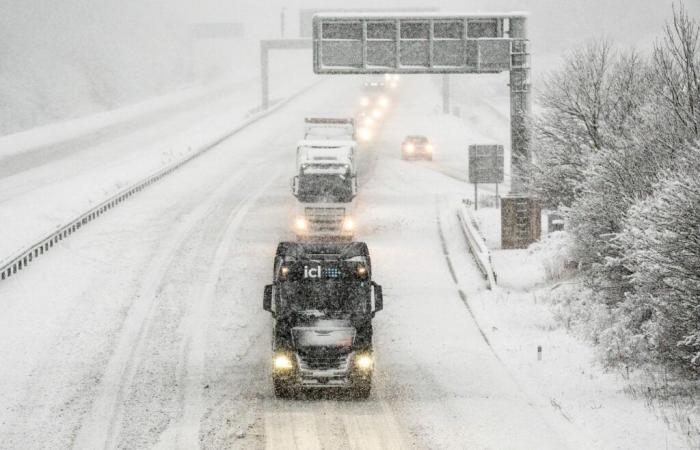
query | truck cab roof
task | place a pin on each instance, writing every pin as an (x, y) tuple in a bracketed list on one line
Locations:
[(326, 143), (322, 251)]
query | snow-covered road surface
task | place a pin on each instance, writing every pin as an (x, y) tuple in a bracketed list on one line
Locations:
[(146, 330)]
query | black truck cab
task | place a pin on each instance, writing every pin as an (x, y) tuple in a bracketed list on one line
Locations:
[(322, 300)]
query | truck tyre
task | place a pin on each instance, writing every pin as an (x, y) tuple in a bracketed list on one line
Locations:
[(282, 389), (362, 390)]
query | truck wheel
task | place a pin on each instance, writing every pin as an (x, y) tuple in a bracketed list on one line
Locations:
[(362, 390), (282, 389)]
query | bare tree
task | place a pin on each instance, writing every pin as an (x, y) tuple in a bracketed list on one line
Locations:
[(676, 73)]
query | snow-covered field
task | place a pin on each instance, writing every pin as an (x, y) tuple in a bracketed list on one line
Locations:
[(145, 330)]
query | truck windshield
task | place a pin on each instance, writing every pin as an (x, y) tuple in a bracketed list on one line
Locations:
[(330, 133), (327, 186), (326, 295)]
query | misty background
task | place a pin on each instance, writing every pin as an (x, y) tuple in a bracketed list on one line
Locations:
[(61, 60)]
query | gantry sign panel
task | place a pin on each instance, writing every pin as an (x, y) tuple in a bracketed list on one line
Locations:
[(412, 43)]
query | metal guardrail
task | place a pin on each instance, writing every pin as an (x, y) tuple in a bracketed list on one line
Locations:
[(477, 245), (22, 258)]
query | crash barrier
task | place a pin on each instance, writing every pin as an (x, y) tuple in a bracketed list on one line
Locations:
[(476, 243), (11, 265)]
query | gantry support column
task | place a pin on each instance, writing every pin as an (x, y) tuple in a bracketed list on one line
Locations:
[(520, 213)]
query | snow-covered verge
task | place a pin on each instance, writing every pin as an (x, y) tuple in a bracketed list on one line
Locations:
[(532, 310), (46, 184)]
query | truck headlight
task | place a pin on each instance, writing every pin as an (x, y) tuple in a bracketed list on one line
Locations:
[(348, 224), (282, 362), (364, 362), (300, 224)]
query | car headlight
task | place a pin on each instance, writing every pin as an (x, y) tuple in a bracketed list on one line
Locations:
[(348, 224), (410, 147), (300, 224), (364, 362), (429, 147), (282, 362)]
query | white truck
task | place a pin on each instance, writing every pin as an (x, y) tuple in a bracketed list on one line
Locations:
[(321, 128), (319, 222), (326, 170), (326, 180)]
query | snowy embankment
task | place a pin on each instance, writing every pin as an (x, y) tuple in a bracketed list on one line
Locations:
[(518, 322), (50, 175)]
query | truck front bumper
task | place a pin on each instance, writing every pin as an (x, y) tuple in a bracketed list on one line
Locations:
[(345, 373)]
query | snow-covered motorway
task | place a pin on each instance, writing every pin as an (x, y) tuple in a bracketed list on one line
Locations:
[(146, 328)]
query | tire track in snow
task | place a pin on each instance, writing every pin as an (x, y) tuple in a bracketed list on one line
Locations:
[(193, 358), (101, 424)]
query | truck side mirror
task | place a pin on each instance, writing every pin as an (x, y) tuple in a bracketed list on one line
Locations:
[(267, 299), (295, 185), (378, 298)]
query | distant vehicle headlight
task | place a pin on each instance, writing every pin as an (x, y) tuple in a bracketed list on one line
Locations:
[(364, 101), (410, 147), (429, 147), (364, 362), (348, 224), (377, 113), (282, 362), (383, 101), (365, 134), (300, 224)]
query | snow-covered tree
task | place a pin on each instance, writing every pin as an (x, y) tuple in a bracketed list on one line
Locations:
[(590, 104), (660, 242)]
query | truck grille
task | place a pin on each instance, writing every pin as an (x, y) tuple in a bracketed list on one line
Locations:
[(325, 219), (323, 362)]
